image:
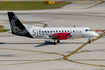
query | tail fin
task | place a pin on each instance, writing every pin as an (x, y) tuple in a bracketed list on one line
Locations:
[(17, 27)]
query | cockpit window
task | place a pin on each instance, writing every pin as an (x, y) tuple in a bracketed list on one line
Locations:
[(88, 30)]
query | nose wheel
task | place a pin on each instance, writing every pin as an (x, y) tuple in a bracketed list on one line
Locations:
[(54, 43), (89, 41)]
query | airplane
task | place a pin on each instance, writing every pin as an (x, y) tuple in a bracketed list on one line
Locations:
[(54, 33)]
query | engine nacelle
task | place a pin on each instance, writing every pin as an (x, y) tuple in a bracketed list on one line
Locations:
[(60, 36)]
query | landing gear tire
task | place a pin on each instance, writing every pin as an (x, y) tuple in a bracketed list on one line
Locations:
[(89, 41), (55, 43), (58, 41)]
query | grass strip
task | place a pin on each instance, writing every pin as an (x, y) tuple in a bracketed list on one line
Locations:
[(3, 30), (30, 5)]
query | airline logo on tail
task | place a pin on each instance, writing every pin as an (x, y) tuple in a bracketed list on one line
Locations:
[(16, 26)]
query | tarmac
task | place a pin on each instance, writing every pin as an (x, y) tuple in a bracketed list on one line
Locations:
[(82, 4), (21, 53)]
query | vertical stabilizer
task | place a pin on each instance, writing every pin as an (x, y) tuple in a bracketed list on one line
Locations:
[(17, 27)]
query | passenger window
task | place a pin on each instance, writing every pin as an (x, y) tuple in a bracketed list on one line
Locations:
[(48, 31), (68, 31), (51, 31), (42, 32)]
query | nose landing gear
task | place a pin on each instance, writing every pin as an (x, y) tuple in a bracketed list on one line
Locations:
[(89, 40)]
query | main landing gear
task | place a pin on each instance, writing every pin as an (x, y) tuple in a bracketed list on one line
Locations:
[(58, 41)]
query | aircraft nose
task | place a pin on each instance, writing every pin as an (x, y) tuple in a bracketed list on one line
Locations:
[(96, 35), (92, 34)]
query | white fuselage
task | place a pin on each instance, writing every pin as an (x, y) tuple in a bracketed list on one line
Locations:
[(76, 32)]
